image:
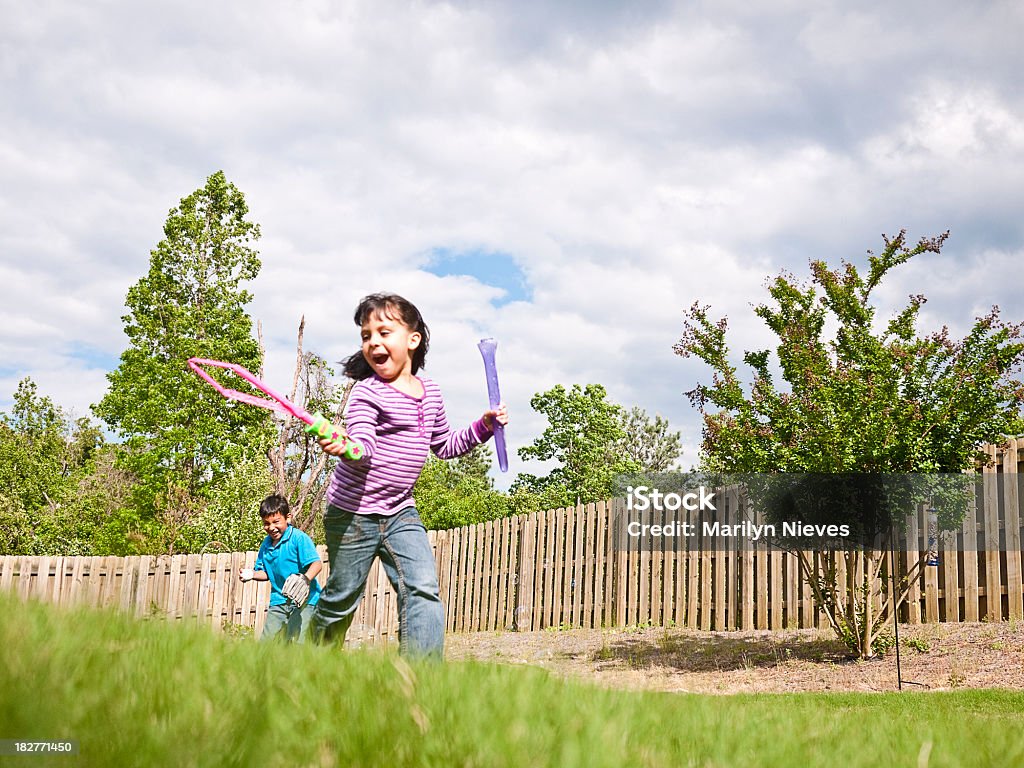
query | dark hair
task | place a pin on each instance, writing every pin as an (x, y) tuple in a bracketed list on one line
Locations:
[(274, 505), (394, 306)]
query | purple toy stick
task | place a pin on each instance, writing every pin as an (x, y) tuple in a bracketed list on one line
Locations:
[(487, 348)]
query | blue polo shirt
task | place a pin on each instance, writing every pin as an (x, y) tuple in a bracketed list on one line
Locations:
[(293, 553)]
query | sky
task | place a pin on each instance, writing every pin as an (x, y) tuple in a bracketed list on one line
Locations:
[(567, 178)]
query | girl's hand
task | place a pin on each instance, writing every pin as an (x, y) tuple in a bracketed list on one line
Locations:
[(332, 448), (500, 414)]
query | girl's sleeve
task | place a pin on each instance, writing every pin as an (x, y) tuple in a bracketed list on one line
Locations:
[(361, 416), (447, 444)]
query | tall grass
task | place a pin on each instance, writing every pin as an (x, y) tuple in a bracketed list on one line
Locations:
[(153, 693)]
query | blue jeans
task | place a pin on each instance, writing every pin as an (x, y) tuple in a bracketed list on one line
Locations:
[(353, 541), (287, 622)]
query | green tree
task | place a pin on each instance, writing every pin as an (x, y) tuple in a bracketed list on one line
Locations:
[(450, 494), (230, 521), (865, 397), (44, 455), (648, 442), (525, 497), (179, 436), (34, 456), (105, 520), (584, 435)]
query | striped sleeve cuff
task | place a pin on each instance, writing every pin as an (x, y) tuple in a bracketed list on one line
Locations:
[(481, 431)]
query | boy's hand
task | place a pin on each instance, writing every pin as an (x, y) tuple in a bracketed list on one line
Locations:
[(500, 414), (246, 574), (296, 589)]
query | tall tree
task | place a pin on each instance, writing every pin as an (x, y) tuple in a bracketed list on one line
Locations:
[(864, 397), (648, 442), (583, 435), (179, 435)]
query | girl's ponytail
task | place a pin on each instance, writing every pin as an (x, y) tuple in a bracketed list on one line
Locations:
[(356, 367)]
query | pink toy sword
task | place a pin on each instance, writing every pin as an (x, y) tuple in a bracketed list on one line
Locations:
[(316, 424), (487, 348)]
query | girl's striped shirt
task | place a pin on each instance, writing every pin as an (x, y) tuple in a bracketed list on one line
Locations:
[(396, 431)]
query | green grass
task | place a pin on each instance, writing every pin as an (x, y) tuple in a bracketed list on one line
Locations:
[(151, 693)]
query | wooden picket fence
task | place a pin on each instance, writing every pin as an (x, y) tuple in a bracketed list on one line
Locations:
[(561, 568)]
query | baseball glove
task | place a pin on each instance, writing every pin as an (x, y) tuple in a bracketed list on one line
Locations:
[(296, 589)]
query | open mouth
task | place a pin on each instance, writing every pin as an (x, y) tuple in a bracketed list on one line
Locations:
[(380, 358)]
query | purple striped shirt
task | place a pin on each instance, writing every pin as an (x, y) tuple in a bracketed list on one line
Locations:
[(396, 431)]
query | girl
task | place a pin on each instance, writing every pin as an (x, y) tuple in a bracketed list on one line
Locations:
[(397, 416)]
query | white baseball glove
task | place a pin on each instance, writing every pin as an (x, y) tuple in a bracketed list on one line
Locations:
[(296, 589)]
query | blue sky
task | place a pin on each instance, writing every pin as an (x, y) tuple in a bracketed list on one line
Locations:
[(498, 270), (567, 178)]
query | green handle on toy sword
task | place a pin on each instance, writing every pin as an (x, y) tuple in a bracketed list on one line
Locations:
[(324, 430)]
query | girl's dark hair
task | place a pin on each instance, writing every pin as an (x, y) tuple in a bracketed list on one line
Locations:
[(393, 306)]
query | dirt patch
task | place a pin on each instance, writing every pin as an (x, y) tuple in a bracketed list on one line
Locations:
[(932, 656)]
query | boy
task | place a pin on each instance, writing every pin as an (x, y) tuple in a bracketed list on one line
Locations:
[(289, 561)]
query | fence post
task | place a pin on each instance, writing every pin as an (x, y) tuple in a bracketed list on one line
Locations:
[(993, 580), (1011, 507)]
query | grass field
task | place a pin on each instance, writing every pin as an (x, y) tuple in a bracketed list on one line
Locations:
[(153, 693)]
